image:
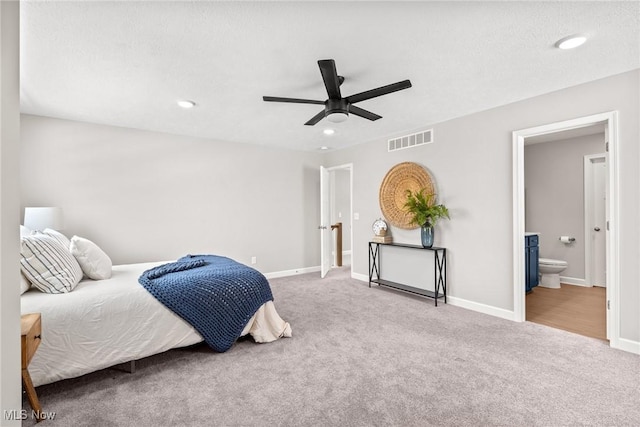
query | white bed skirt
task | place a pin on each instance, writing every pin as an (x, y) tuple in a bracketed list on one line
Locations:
[(103, 323)]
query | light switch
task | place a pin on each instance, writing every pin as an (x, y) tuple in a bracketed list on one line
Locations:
[(356, 215)]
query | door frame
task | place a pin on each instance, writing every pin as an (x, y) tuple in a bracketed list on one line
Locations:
[(588, 215), (610, 119), (330, 187)]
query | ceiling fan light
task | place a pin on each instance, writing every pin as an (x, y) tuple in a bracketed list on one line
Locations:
[(337, 117)]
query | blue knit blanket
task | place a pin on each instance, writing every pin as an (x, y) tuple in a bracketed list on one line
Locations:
[(216, 295)]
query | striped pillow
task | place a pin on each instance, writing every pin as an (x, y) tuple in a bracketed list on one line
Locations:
[(48, 265), (25, 285), (64, 240)]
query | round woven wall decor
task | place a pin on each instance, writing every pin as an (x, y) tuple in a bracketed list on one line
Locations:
[(393, 191)]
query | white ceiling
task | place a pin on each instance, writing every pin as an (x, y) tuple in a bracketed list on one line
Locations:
[(126, 63)]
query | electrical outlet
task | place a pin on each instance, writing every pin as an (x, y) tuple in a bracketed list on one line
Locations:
[(253, 260)]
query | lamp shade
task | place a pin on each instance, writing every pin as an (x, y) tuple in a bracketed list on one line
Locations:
[(41, 218)]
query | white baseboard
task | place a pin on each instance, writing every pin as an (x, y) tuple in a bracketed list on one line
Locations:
[(296, 271), (627, 345), (286, 273), (459, 302), (358, 276), (481, 308), (573, 281)]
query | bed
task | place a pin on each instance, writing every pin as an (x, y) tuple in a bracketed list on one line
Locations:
[(103, 323)]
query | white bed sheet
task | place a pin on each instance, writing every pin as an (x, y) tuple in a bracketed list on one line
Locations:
[(106, 322)]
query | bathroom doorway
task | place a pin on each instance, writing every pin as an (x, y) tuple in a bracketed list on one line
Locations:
[(608, 121), (565, 181)]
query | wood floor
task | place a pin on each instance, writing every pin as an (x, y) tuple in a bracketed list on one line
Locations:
[(575, 309)]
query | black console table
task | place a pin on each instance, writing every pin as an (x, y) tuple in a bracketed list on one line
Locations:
[(439, 271)]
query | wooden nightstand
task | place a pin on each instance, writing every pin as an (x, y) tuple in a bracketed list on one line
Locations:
[(30, 329)]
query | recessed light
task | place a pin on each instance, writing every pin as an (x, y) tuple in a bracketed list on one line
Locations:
[(324, 147), (571, 42), (185, 103), (328, 131)]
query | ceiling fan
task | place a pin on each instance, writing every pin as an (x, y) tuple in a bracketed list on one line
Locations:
[(337, 108)]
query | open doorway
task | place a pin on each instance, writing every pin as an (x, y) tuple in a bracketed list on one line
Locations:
[(336, 206), (565, 193), (520, 138)]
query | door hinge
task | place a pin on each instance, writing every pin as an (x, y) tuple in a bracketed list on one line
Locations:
[(608, 305), (607, 225), (606, 147)]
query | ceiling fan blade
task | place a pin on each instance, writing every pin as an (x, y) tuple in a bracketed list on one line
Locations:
[(330, 77), (315, 119), (394, 87), (294, 100), (363, 113)]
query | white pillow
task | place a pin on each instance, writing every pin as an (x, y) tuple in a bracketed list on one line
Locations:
[(94, 262), (64, 240), (48, 265), (24, 284)]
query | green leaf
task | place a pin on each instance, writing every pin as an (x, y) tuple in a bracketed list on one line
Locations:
[(421, 205)]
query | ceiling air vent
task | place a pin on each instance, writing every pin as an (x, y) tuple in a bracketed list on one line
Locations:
[(409, 141)]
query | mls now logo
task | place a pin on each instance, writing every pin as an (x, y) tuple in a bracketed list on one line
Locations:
[(16, 414), (23, 414)]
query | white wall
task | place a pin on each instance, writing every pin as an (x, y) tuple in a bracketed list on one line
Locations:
[(10, 397), (145, 196), (554, 201), (471, 161)]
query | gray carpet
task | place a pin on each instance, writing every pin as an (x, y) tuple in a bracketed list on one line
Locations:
[(363, 356)]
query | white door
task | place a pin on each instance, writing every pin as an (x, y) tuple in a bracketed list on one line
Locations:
[(595, 197), (599, 227), (325, 220)]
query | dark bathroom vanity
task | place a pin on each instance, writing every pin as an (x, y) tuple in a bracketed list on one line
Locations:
[(531, 258)]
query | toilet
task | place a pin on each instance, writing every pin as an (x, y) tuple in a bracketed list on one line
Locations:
[(550, 270)]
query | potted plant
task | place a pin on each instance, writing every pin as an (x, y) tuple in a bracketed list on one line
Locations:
[(425, 213)]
